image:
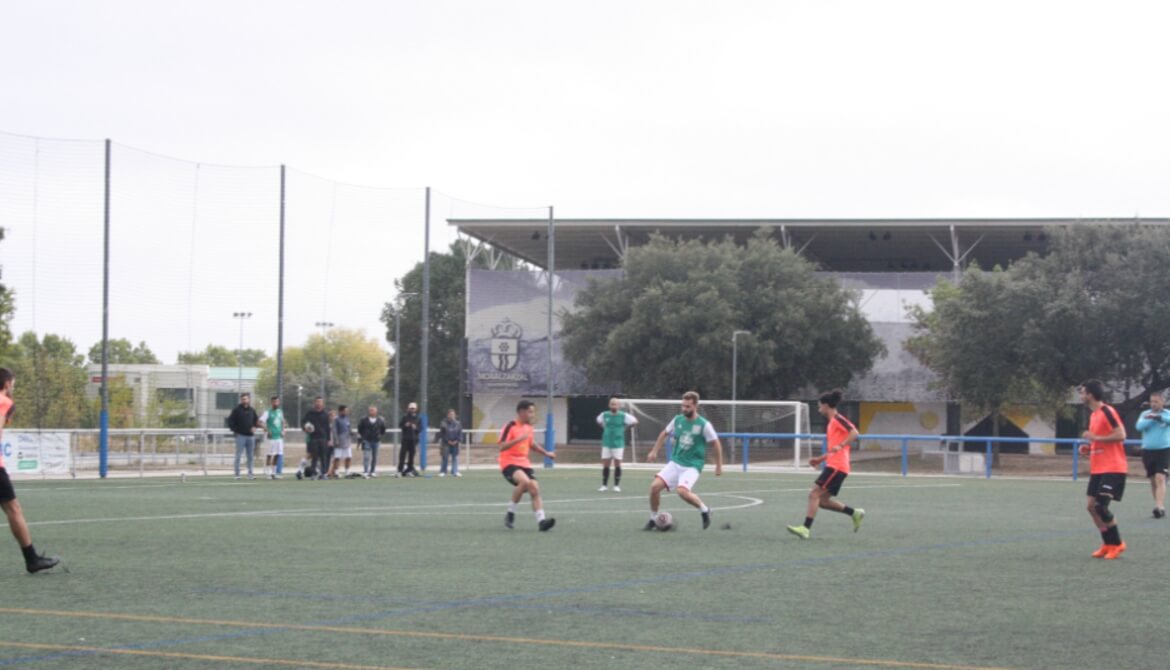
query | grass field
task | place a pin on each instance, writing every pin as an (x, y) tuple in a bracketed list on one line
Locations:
[(945, 573)]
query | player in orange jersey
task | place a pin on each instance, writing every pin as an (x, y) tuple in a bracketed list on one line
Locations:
[(1108, 466), (32, 561), (841, 434), (515, 442)]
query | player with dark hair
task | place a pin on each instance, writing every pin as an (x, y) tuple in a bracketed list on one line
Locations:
[(33, 562), (692, 433), (515, 442), (840, 434), (1108, 467)]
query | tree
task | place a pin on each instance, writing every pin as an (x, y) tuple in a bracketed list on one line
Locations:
[(665, 326), (1096, 306), (970, 339), (123, 352), (448, 276), (352, 363), (1102, 310), (222, 357), (50, 383)]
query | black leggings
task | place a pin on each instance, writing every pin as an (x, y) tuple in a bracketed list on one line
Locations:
[(406, 457)]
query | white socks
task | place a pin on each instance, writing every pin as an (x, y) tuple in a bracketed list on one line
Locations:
[(539, 515)]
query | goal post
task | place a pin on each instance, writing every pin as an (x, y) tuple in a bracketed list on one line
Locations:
[(784, 417)]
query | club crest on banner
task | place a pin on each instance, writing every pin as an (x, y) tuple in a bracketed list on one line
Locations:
[(505, 345)]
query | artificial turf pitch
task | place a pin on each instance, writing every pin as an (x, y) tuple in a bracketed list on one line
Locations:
[(945, 573)]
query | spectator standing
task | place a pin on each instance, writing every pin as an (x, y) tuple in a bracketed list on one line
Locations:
[(371, 429), (316, 424), (409, 426), (242, 422), (342, 447), (450, 435)]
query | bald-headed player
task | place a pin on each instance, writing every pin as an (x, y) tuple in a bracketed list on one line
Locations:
[(32, 561)]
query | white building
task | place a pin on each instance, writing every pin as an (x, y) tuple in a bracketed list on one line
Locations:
[(208, 393)]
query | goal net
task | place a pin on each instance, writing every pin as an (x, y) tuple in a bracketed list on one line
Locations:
[(741, 416)]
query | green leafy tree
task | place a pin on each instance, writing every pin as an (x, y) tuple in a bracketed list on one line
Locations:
[(222, 357), (448, 276), (971, 340), (666, 325), (123, 352), (1102, 310), (50, 383), (352, 365)]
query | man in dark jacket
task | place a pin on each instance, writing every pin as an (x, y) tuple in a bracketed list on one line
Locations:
[(409, 427), (371, 429), (242, 421), (450, 435), (316, 424)]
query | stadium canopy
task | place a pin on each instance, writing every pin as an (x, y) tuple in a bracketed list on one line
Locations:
[(838, 245)]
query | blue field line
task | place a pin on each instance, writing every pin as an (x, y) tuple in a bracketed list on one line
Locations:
[(568, 609), (593, 588)]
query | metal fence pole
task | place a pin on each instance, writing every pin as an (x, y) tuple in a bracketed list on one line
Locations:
[(141, 454), (745, 454), (905, 457), (987, 458), (104, 420), (1076, 454), (280, 301)]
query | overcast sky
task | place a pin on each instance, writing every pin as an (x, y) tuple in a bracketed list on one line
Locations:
[(604, 109)]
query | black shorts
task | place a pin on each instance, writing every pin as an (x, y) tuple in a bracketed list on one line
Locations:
[(7, 493), (511, 470), (1110, 483), (1157, 461), (831, 480)]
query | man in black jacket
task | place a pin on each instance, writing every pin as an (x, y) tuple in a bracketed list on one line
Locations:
[(242, 421), (316, 423), (409, 427), (371, 429)]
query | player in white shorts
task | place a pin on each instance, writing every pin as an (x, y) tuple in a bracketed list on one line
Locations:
[(613, 442), (692, 433), (274, 426)]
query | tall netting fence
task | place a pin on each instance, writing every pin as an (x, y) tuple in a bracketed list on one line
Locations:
[(195, 286)]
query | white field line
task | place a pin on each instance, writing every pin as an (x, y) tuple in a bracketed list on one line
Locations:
[(422, 510)]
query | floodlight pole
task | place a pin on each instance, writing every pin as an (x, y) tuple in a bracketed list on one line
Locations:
[(280, 303), (426, 333), (240, 352), (399, 304), (324, 326), (735, 378), (550, 433), (104, 420)]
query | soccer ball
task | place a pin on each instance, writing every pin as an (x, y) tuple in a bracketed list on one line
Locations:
[(308, 427), (664, 521)]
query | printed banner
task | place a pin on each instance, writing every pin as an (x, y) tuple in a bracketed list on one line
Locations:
[(507, 332), (36, 453)]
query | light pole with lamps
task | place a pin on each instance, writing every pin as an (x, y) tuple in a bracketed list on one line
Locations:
[(324, 326), (735, 378), (400, 302), (299, 389), (240, 352)]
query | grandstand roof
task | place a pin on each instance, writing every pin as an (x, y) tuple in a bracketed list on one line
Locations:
[(842, 245)]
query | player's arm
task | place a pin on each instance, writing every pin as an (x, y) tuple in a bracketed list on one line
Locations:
[(601, 419), (658, 444), (850, 438), (631, 420), (542, 451), (718, 457)]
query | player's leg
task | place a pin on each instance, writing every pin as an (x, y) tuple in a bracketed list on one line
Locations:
[(374, 458), (455, 462), (16, 523), (445, 458), (543, 523), (402, 459), (617, 470), (1160, 493), (659, 485), (687, 479), (604, 469)]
